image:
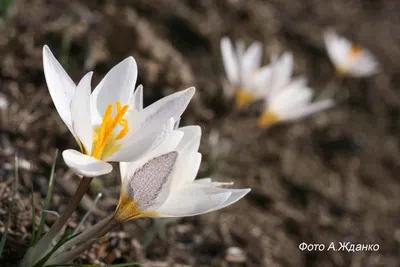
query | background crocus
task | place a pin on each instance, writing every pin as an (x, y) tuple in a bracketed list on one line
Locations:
[(242, 66), (288, 99), (349, 58), (110, 123)]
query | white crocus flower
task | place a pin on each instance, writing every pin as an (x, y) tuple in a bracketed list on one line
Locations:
[(163, 184), (349, 58), (242, 66), (110, 123), (286, 99)]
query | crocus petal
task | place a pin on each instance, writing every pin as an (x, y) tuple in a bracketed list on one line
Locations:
[(141, 143), (60, 85), (261, 81), (80, 113), (138, 98), (203, 181), (250, 62), (366, 65), (311, 109), (148, 185), (291, 99), (282, 71), (169, 144), (191, 133), (230, 61), (177, 123), (191, 200), (85, 165), (236, 195), (117, 85), (171, 106)]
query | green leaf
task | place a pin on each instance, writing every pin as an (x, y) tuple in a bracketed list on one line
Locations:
[(48, 198), (14, 192), (5, 5)]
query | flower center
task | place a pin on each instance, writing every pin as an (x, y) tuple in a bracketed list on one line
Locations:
[(244, 98), (127, 209), (267, 119), (355, 52), (107, 128)]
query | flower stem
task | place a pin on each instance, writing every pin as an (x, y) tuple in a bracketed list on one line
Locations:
[(36, 252)]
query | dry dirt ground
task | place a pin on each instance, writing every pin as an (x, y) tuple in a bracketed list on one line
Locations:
[(330, 178)]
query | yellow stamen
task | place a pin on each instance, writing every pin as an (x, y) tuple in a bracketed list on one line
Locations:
[(268, 119), (355, 52), (107, 127), (353, 55), (127, 209), (244, 98)]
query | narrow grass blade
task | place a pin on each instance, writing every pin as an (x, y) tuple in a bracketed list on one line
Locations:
[(95, 265), (99, 195), (48, 198), (74, 265), (5, 6), (33, 238), (65, 47), (125, 264), (14, 192), (64, 238)]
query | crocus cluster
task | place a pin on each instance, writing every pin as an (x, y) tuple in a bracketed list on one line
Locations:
[(286, 98), (158, 161), (160, 184)]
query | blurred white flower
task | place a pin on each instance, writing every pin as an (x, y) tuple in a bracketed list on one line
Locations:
[(242, 66), (110, 123), (349, 58), (162, 184), (287, 99)]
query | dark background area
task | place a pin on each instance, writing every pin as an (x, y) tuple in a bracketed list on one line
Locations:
[(331, 178)]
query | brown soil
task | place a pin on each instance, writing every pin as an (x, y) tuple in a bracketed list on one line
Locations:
[(330, 178)]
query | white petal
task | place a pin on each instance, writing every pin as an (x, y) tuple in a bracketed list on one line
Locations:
[(191, 200), (291, 99), (203, 181), (148, 185), (338, 48), (311, 109), (282, 72), (177, 123), (366, 65), (261, 81), (236, 194), (138, 98), (208, 181), (141, 144), (133, 119), (117, 85), (230, 61), (187, 168), (168, 145), (171, 106), (80, 113), (250, 62), (85, 165), (123, 169), (191, 133), (60, 85)]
